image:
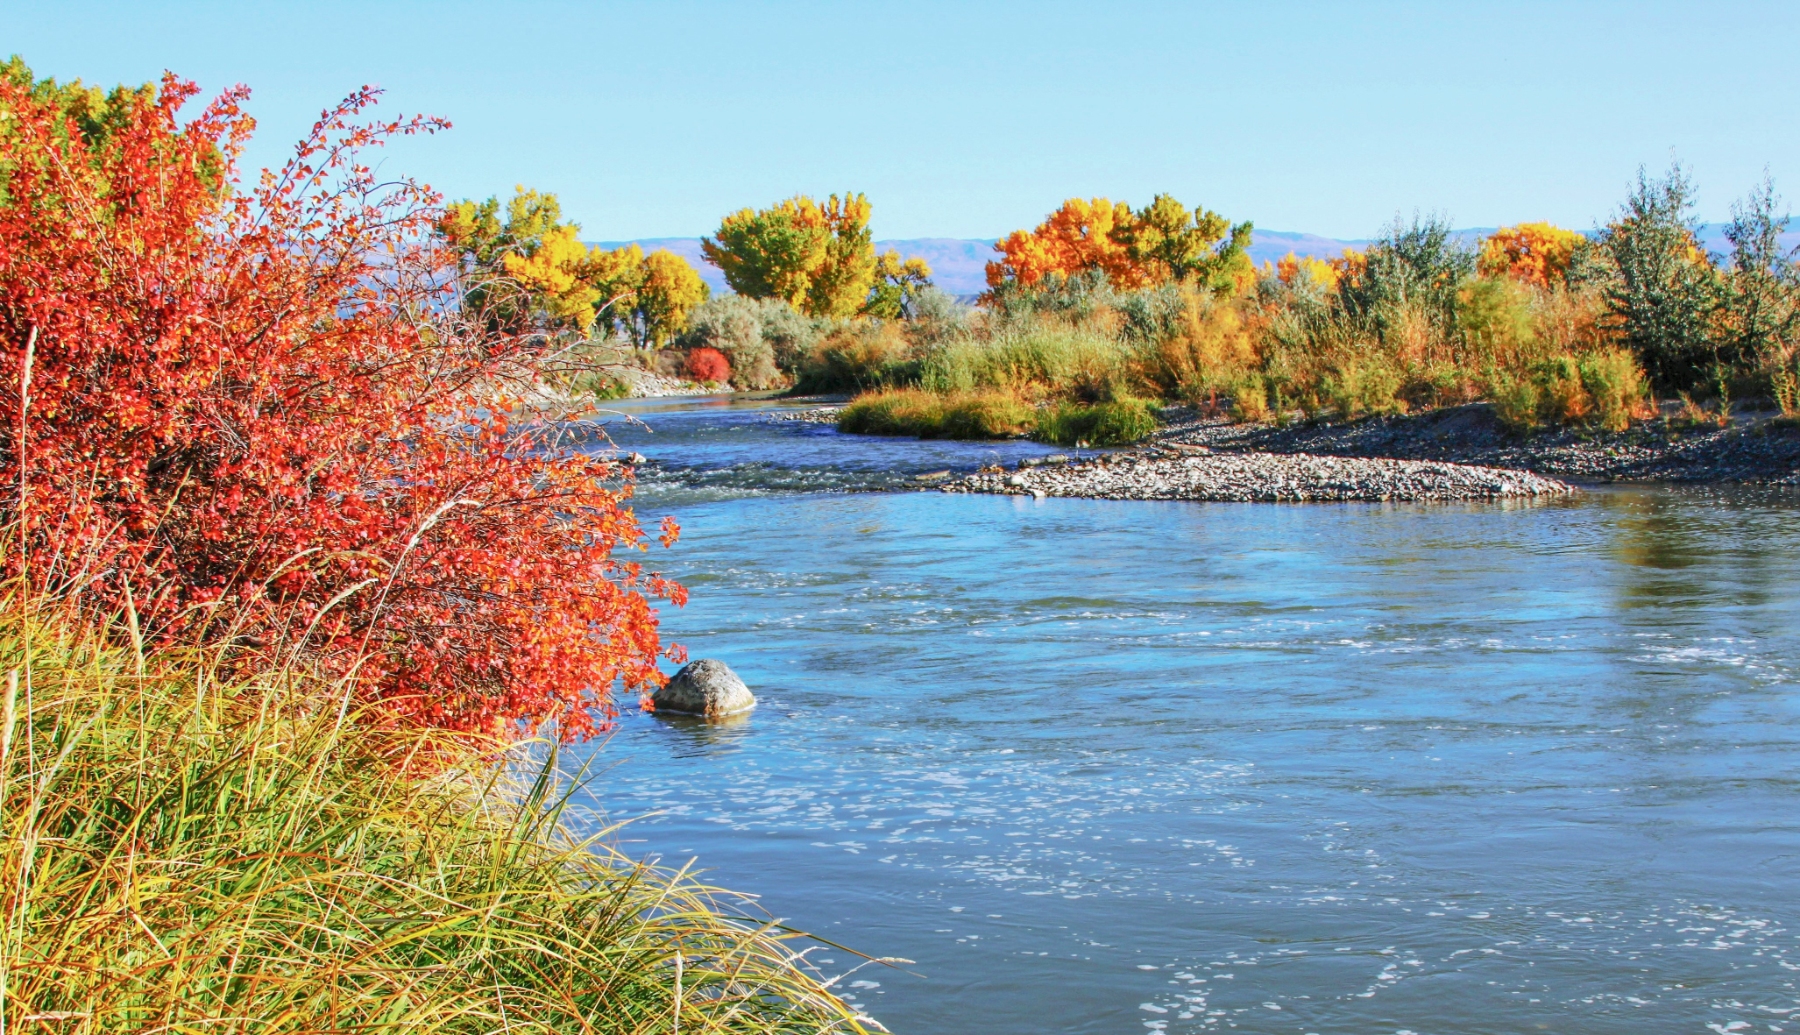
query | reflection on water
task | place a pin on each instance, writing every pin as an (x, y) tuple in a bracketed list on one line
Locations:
[(1104, 766)]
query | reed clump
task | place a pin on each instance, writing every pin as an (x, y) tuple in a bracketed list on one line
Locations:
[(1116, 422), (189, 850), (923, 414)]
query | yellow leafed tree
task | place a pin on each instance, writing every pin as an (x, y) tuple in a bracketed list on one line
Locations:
[(1535, 253), (668, 291), (616, 276), (898, 283), (1295, 269), (551, 272), (819, 258)]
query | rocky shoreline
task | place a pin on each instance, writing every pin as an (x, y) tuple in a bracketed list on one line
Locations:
[(1753, 448), (1173, 473), (816, 415)]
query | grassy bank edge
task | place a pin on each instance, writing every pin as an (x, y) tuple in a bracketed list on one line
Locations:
[(185, 846), (997, 415)]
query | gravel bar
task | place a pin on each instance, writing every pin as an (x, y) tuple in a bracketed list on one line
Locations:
[(816, 415), (1249, 477), (1754, 448)]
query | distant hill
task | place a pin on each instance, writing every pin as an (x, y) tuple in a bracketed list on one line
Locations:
[(958, 265)]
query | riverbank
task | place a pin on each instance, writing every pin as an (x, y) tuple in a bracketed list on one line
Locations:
[(1467, 452)]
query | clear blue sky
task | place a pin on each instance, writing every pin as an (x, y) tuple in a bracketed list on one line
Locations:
[(970, 119)]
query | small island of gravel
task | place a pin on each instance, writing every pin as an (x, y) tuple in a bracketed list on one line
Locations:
[(1171, 474)]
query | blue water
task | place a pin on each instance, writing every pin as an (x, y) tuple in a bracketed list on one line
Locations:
[(1123, 767)]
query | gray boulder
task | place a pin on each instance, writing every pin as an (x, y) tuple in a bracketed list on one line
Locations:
[(706, 687)]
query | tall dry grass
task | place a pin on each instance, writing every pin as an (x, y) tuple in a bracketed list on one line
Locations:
[(1541, 355), (186, 850)]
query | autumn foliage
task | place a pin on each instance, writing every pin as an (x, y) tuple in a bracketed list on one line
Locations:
[(1161, 243), (251, 410), (529, 270), (1078, 236), (708, 365), (1535, 253)]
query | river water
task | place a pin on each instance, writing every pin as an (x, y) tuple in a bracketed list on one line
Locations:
[(1123, 767)]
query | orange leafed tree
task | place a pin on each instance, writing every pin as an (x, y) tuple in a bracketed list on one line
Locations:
[(251, 410), (1161, 243), (1292, 269), (1075, 238), (1535, 253)]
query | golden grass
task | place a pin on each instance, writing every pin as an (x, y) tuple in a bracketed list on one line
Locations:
[(182, 852)]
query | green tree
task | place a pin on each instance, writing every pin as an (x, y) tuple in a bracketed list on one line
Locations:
[(1413, 266), (819, 258), (1763, 285), (1666, 294), (1199, 246), (898, 285)]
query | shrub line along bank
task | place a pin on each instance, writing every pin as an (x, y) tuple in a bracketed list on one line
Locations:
[(1105, 305), (189, 849)]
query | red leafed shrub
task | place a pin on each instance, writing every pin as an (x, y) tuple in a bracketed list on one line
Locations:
[(708, 364), (251, 410)]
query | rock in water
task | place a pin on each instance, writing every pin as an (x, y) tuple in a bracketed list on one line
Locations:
[(705, 687)]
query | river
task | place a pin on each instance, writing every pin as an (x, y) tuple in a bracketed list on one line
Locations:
[(1124, 767)]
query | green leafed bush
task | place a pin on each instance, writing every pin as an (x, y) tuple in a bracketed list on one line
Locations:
[(1117, 423)]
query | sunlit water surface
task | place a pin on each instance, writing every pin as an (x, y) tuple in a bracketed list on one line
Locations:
[(1123, 766)]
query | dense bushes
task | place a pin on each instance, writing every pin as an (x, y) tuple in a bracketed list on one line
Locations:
[(1603, 388), (708, 366), (856, 357), (765, 340), (260, 399), (1552, 326), (996, 414)]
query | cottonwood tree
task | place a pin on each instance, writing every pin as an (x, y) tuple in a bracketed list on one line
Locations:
[(1162, 243), (818, 258)]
